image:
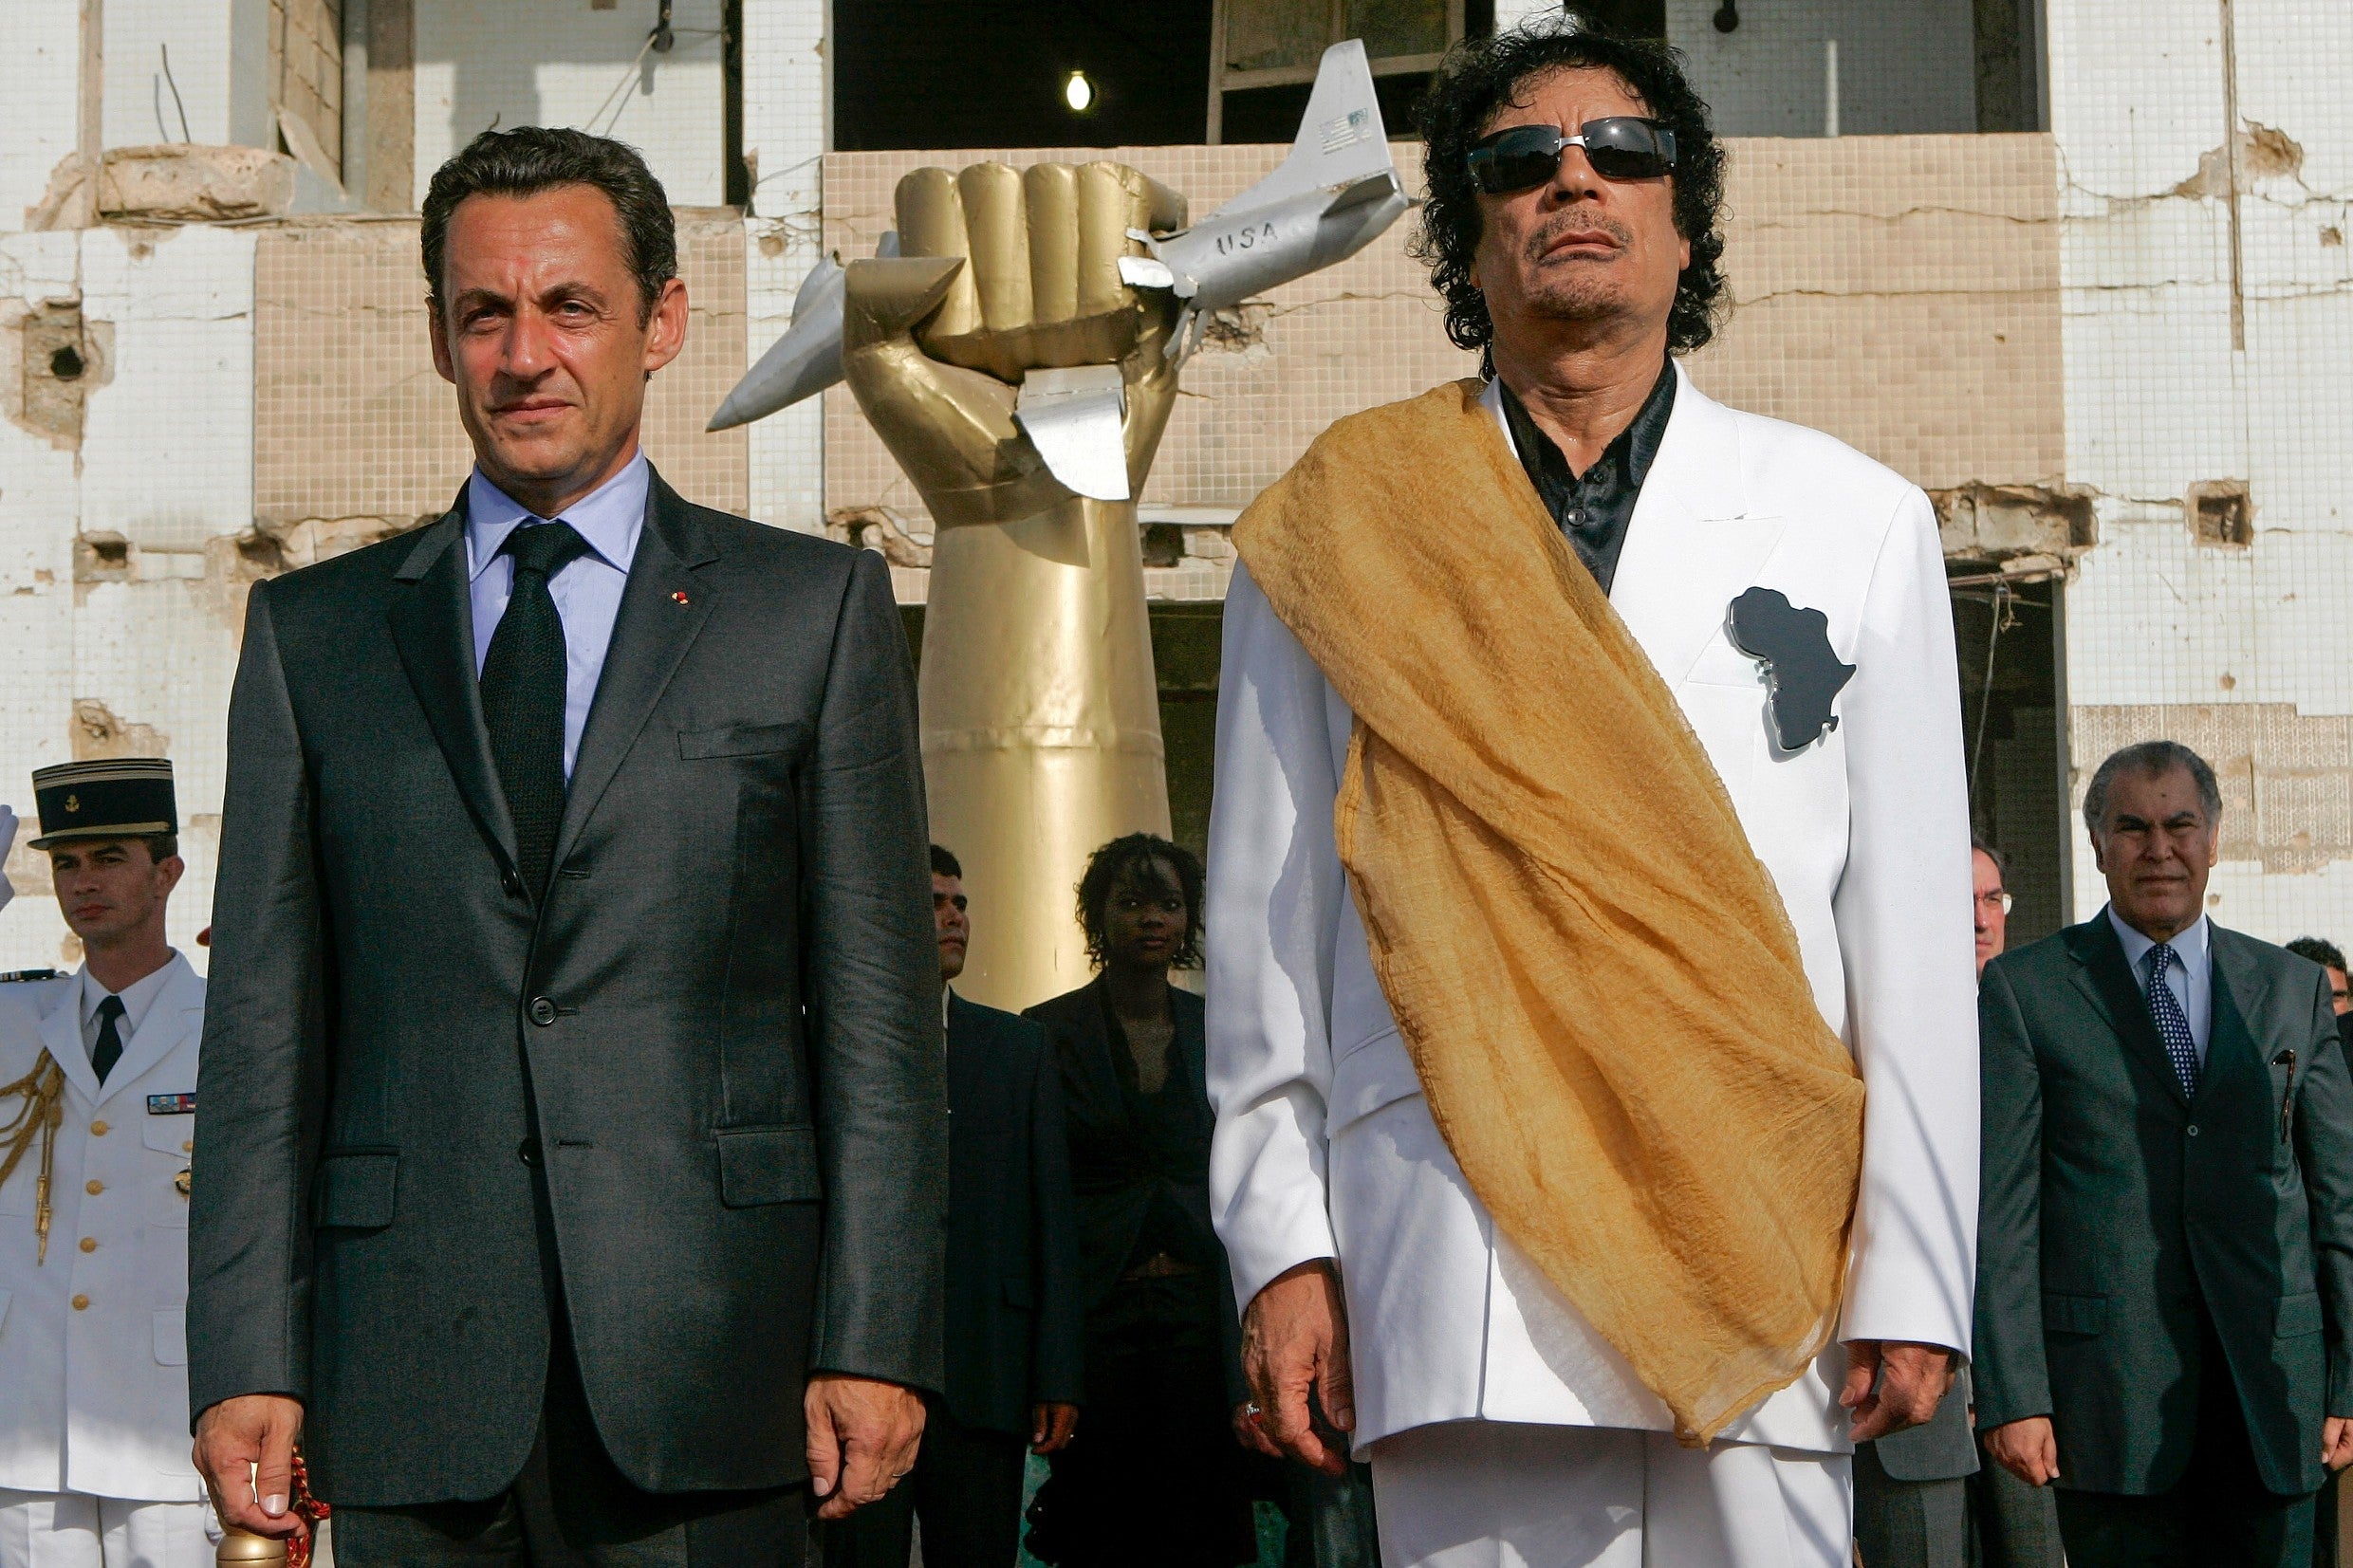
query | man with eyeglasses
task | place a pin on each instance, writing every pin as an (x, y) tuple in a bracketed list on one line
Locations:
[(1590, 834)]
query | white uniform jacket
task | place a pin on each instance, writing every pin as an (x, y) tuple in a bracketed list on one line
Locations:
[(1325, 1147), (94, 1341)]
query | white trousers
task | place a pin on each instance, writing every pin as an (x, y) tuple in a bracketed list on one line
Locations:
[(75, 1530), (1499, 1494)]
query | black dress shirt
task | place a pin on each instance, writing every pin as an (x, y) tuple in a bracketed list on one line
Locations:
[(1594, 508)]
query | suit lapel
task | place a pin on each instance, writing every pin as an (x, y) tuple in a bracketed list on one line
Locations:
[(2107, 980), (433, 628), (176, 1012), (664, 604), (1690, 549), (2241, 991), (61, 1032)]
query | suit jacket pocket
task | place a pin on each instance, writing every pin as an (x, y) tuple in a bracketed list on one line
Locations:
[(2074, 1314), (356, 1189), (2299, 1315), (764, 1165), (741, 740)]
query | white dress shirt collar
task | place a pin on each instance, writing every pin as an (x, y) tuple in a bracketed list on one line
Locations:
[(2191, 978), (137, 998), (610, 517)]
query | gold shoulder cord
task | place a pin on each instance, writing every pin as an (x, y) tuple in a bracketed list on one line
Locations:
[(43, 1091)]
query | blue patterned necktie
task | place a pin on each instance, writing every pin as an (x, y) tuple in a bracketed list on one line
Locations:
[(2171, 1026)]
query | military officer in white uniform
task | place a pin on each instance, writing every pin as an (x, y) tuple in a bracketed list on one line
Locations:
[(97, 1079)]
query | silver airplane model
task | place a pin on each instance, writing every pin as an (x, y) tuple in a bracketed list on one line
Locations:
[(1336, 191)]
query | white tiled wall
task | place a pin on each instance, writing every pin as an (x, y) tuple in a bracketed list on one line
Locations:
[(786, 137), (1904, 66), (40, 72), (165, 459), (2159, 397), (564, 62)]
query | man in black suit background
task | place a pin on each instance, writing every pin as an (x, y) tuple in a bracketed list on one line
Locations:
[(573, 1166), (2165, 1235), (1015, 1345)]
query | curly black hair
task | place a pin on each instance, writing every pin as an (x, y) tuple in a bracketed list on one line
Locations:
[(1148, 853), (1479, 79)]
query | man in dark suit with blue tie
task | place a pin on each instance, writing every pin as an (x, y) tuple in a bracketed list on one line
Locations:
[(2165, 1235), (1015, 1346), (572, 1171)]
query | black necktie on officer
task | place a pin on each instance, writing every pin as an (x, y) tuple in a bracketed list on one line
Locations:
[(522, 687), (109, 1047)]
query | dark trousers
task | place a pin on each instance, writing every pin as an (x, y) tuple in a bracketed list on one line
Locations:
[(571, 1507), (2219, 1515), (965, 1487), (2017, 1524), (1909, 1524), (1153, 1478)]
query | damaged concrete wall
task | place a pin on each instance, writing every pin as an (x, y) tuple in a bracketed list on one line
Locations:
[(112, 483), (2206, 167)]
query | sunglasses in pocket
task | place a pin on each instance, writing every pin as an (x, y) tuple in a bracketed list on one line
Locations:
[(1524, 157)]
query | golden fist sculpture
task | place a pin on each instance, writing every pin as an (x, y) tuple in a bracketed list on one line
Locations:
[(1022, 381)]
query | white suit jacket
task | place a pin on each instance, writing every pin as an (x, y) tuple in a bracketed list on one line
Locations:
[(94, 1341), (1325, 1147)]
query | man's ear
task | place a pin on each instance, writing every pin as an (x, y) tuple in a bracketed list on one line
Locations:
[(665, 326), (169, 871), (442, 361), (2099, 859)]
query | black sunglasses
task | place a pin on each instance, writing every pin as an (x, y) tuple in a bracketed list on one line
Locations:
[(1524, 157)]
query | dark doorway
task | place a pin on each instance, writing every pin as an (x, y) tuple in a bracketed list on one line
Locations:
[(952, 73), (2011, 638)]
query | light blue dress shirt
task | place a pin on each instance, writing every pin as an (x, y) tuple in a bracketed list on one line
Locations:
[(587, 591), (2191, 980)]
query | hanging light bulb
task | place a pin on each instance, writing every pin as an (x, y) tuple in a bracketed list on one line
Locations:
[(1079, 93)]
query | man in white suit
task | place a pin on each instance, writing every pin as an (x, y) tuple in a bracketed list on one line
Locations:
[(94, 1456), (1571, 222)]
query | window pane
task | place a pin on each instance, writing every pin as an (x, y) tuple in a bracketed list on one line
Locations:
[(1265, 34), (1399, 27)]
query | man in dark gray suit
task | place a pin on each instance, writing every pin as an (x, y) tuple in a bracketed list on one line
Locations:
[(2166, 1234), (572, 1169)]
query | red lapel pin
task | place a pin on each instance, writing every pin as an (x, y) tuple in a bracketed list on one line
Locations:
[(679, 595)]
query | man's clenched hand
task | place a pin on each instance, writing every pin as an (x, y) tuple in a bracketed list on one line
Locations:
[(1891, 1385), (1294, 1340), (862, 1435), (245, 1452), (2028, 1450)]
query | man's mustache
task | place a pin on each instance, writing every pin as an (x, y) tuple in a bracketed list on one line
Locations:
[(1550, 234)]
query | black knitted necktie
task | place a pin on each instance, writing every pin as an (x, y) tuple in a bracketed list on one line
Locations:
[(523, 695), (109, 1047)]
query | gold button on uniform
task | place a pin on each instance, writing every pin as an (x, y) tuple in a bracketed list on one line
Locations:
[(97, 1129), (94, 1186), (188, 1146), (81, 1304), (89, 1243)]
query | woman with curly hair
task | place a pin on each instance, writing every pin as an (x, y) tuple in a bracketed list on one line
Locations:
[(1154, 1476)]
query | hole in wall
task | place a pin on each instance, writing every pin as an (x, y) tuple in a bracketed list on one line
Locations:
[(2222, 513)]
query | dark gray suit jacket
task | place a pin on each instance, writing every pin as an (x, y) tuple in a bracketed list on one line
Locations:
[(1016, 1318), (728, 1007), (2115, 1209)]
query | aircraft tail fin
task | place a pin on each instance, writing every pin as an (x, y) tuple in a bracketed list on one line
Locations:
[(1340, 139)]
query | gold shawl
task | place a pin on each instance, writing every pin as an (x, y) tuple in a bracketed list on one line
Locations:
[(1592, 971)]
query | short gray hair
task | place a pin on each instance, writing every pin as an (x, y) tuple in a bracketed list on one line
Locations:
[(2150, 759)]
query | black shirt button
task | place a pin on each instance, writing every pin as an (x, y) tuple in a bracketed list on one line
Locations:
[(512, 883), (543, 1011), (527, 1151)]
